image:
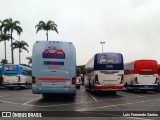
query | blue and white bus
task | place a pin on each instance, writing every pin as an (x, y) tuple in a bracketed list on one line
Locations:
[(104, 72), (16, 76), (53, 68)]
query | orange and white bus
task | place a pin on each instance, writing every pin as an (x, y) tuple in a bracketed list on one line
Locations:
[(141, 74)]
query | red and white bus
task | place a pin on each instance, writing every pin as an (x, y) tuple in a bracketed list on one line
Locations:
[(141, 74)]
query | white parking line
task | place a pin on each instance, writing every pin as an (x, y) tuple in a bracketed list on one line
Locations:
[(117, 105), (31, 100), (71, 103), (9, 102), (92, 97), (5, 96)]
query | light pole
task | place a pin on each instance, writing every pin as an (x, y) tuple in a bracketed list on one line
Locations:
[(102, 45)]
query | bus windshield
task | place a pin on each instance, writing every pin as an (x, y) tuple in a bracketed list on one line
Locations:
[(111, 58), (10, 67)]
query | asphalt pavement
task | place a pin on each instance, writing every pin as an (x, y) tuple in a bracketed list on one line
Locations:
[(86, 105)]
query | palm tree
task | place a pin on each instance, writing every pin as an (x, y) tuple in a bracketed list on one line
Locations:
[(49, 25), (1, 26), (20, 45), (3, 61), (4, 37), (29, 60), (10, 25)]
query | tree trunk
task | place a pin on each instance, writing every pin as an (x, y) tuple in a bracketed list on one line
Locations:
[(5, 49), (47, 35), (12, 48), (19, 56)]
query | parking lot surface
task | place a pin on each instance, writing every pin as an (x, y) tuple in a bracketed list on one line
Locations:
[(95, 105)]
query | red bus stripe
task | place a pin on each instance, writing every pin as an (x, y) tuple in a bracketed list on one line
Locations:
[(108, 87), (54, 79)]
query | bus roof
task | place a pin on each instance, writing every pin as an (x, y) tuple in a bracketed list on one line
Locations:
[(140, 60), (108, 53), (53, 41), (18, 65)]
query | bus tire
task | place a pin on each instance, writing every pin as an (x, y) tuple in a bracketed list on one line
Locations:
[(11, 88), (114, 92), (73, 95), (77, 87), (126, 85), (144, 91), (44, 95)]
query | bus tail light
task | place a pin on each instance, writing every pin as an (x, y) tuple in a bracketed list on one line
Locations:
[(136, 80), (96, 79), (122, 79), (156, 81), (19, 78), (73, 80), (33, 80)]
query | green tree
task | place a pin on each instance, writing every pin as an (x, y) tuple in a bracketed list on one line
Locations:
[(21, 45), (4, 37), (1, 26), (3, 61), (49, 25), (82, 67), (29, 60), (10, 26)]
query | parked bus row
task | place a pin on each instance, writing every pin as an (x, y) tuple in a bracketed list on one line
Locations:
[(54, 71)]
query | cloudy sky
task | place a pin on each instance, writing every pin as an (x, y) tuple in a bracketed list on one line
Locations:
[(131, 27)]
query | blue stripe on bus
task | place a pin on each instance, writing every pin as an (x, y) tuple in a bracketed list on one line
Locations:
[(53, 63)]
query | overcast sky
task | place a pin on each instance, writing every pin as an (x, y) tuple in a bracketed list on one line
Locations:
[(131, 27)]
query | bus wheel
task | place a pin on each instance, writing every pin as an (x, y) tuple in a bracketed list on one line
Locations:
[(11, 88), (77, 87), (144, 91), (114, 92), (44, 95), (73, 95), (126, 85)]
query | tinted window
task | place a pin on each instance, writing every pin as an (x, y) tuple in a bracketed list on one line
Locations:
[(10, 67), (25, 71), (110, 58)]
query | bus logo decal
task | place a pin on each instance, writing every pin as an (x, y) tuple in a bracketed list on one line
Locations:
[(53, 52)]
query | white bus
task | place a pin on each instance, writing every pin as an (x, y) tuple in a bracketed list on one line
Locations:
[(104, 72), (53, 68), (141, 74), (16, 76)]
